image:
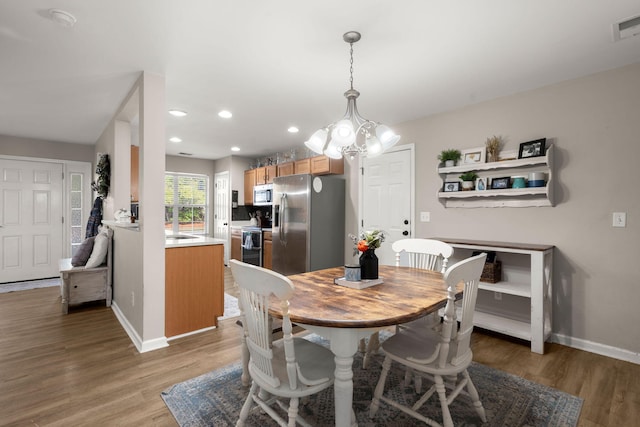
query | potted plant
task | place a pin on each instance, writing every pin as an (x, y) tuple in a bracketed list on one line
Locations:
[(449, 157), (468, 180)]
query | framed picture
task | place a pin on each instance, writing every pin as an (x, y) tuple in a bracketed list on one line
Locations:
[(500, 183), (474, 155), (481, 184), (532, 148), (451, 186)]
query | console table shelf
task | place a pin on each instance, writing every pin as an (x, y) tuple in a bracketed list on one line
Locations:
[(521, 304)]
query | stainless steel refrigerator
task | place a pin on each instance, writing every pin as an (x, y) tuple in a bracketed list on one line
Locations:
[(308, 223)]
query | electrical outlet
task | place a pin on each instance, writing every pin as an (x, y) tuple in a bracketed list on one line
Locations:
[(619, 219), (497, 296), (425, 216), (133, 299)]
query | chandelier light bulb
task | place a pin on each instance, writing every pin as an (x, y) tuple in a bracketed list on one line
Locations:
[(317, 141), (374, 146), (333, 150), (343, 133)]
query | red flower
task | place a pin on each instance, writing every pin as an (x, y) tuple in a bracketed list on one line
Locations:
[(362, 245)]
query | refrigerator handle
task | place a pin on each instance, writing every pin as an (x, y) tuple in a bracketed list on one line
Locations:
[(282, 209)]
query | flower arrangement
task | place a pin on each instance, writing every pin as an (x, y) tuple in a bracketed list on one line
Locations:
[(367, 240)]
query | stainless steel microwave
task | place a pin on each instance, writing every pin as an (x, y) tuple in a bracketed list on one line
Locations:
[(263, 195)]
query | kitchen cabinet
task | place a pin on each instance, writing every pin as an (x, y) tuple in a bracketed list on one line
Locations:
[(508, 197), (236, 243), (285, 169), (194, 288), (520, 305), (265, 174), (249, 182), (267, 249), (302, 166), (135, 171), (323, 165)]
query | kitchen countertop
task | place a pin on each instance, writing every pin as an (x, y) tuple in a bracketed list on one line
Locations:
[(196, 241)]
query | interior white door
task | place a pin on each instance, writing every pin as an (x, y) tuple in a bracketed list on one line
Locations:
[(387, 189), (31, 206), (222, 210)]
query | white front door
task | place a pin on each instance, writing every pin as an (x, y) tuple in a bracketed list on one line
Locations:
[(387, 197), (221, 211), (31, 207)]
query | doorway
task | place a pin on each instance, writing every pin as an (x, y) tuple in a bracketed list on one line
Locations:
[(222, 211)]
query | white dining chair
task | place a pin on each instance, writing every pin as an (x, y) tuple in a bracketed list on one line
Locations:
[(439, 354), (289, 368), (427, 254)]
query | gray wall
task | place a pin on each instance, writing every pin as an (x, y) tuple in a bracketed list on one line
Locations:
[(26, 147), (594, 123)]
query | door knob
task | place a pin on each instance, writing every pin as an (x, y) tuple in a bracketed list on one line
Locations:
[(405, 233), (406, 221)]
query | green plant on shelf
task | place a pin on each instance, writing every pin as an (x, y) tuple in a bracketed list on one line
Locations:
[(468, 176), (451, 154)]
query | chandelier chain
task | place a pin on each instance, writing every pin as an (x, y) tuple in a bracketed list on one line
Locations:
[(351, 66)]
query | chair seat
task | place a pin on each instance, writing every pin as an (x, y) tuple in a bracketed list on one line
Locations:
[(411, 345), (316, 361)]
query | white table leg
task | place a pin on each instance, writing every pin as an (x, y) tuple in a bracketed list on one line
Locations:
[(344, 345)]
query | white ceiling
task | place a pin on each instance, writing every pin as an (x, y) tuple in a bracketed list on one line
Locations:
[(275, 64)]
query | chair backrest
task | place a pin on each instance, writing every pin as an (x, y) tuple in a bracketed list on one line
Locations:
[(256, 286), (427, 254), (468, 272)]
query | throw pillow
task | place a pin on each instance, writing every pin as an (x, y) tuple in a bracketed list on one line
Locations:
[(99, 253), (83, 253)]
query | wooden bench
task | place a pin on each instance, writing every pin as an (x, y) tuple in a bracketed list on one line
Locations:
[(80, 284)]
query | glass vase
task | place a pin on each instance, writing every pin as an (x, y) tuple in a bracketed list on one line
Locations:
[(368, 265)]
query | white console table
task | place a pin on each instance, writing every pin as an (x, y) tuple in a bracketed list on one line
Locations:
[(521, 304)]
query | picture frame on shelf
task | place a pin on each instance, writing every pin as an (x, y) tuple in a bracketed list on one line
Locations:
[(507, 155), (474, 155), (534, 148), (481, 184), (451, 186), (500, 183)]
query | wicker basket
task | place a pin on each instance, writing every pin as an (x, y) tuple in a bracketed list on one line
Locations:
[(492, 272)]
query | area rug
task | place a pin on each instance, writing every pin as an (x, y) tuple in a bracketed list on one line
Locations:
[(215, 399), (231, 308), (29, 284)]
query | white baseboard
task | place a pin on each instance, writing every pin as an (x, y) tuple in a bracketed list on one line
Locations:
[(142, 346), (594, 347)]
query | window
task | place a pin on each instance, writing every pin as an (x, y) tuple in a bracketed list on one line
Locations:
[(76, 202), (186, 200)]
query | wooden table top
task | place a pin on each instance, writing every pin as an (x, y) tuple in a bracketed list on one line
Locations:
[(406, 294)]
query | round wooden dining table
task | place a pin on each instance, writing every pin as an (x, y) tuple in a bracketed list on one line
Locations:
[(344, 315)]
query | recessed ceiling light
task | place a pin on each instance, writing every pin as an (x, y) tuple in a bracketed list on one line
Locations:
[(293, 129), (235, 148), (177, 113), (62, 17), (175, 139), (225, 114)]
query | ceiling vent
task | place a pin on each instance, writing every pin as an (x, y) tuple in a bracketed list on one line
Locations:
[(185, 154), (630, 27)]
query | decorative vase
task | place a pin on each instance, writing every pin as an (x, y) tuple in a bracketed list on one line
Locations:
[(449, 163), (368, 265), (468, 185)]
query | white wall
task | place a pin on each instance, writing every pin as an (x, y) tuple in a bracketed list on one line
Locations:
[(594, 123)]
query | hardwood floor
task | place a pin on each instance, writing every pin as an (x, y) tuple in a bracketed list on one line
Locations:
[(82, 369)]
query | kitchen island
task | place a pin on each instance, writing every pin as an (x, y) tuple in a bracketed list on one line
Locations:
[(194, 284)]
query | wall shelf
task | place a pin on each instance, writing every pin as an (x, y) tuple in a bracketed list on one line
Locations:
[(509, 197)]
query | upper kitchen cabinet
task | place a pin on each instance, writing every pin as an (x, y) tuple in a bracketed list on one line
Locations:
[(135, 160), (285, 169), (302, 166), (323, 165), (265, 174), (249, 182)]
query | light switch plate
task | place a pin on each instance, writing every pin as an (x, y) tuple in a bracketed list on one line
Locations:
[(619, 219), (425, 216)]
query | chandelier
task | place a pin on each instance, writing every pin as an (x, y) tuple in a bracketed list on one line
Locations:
[(353, 134)]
